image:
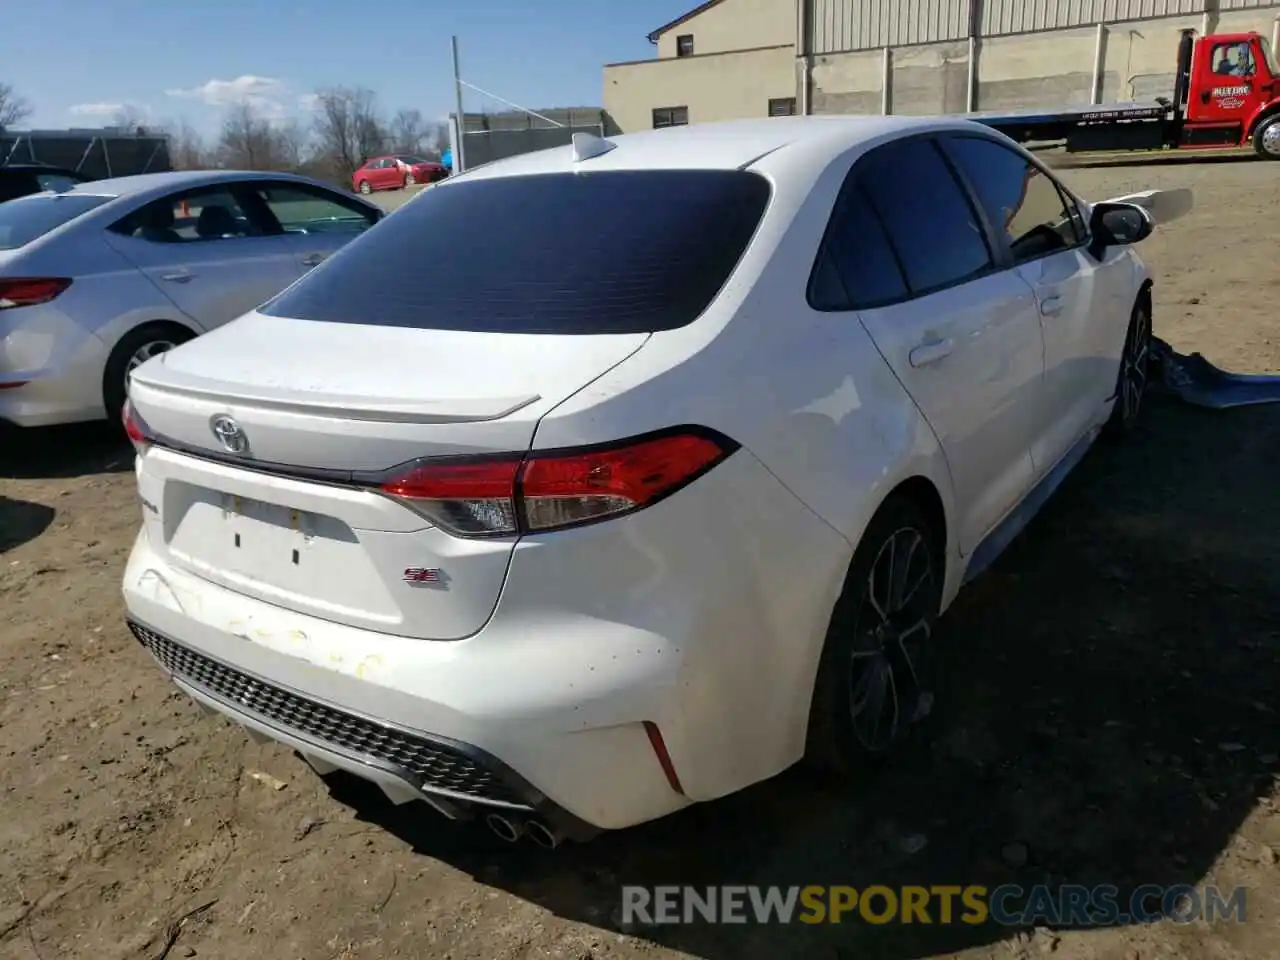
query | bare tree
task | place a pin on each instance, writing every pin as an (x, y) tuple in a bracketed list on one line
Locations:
[(348, 129), (408, 132), (248, 141), (13, 108), (187, 149), (292, 145)]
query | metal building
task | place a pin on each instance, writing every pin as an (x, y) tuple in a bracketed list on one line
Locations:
[(728, 59)]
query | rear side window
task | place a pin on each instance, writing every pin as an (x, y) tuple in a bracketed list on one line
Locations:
[(936, 233), (1020, 199), (29, 218), (562, 253), (858, 268)]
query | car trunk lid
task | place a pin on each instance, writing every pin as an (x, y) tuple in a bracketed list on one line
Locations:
[(317, 405)]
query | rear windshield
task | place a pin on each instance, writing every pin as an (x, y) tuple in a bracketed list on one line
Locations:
[(29, 218), (606, 252)]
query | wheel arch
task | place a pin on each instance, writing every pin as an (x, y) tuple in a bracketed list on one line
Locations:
[(1262, 116)]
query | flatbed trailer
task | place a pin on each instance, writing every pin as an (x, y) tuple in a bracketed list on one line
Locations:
[(1226, 95)]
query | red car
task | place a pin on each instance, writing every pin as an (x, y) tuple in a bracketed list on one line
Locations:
[(393, 173)]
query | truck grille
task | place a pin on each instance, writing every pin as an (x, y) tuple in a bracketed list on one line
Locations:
[(425, 763)]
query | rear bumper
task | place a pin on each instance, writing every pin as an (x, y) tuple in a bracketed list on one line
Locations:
[(455, 778), (59, 365), (702, 616)]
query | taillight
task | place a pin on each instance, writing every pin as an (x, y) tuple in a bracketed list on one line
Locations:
[(542, 491), (135, 428), (29, 291)]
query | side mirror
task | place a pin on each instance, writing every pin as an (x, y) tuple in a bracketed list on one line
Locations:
[(1119, 224)]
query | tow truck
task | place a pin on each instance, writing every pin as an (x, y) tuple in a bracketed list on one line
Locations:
[(1226, 95)]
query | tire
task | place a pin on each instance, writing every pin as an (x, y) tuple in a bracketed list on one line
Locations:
[(363, 187), (865, 653), (1266, 138), (1134, 372), (410, 180), (136, 346)]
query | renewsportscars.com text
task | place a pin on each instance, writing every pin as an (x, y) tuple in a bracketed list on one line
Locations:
[(1008, 905)]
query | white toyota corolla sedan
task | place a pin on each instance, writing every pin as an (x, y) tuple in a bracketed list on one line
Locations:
[(604, 480)]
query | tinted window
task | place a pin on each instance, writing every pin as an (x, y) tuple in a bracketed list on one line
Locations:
[(930, 223), (303, 211), (29, 218), (564, 253), (55, 181), (16, 184), (1019, 198), (859, 267), (195, 216)]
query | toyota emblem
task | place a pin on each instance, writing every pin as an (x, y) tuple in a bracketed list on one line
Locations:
[(229, 434)]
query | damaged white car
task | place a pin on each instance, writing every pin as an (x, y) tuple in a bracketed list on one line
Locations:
[(604, 480)]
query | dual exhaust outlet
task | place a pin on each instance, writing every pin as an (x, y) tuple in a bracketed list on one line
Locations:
[(512, 830)]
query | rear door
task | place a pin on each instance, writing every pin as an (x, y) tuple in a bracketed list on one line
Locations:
[(1083, 303), (386, 174), (217, 258), (319, 222), (958, 328)]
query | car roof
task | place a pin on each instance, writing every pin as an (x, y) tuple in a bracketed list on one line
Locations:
[(727, 145), (157, 184)]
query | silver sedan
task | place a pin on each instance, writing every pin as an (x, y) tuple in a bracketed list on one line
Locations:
[(99, 277)]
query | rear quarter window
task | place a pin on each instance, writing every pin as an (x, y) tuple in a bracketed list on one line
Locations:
[(29, 218), (571, 253)]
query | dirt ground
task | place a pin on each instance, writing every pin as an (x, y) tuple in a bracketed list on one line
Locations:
[(1107, 714)]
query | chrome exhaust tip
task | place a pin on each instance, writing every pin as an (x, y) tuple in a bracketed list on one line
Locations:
[(541, 834), (503, 828)]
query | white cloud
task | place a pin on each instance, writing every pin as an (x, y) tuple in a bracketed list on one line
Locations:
[(97, 109), (263, 94), (225, 93), (309, 102)]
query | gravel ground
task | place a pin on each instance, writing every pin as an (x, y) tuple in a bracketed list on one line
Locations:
[(1107, 716)]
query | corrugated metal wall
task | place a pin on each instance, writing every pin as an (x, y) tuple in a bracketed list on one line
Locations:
[(1019, 16), (841, 25), (865, 24)]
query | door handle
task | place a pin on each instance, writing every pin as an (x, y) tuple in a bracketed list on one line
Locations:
[(312, 259), (931, 352), (181, 277), (1051, 305)]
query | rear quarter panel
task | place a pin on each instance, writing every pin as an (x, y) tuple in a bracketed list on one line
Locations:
[(109, 296)]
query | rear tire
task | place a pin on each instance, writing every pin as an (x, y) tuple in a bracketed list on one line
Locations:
[(364, 187), (871, 688), (1135, 371), (136, 347), (1266, 138)]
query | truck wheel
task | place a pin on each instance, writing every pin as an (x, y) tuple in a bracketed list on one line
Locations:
[(1266, 138)]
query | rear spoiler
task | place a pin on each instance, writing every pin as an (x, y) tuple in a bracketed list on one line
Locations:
[(1165, 206)]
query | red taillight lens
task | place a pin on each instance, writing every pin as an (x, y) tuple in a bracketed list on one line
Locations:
[(471, 499), (135, 428), (29, 291), (551, 491), (562, 490)]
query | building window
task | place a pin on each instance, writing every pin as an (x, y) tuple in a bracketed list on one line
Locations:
[(782, 107), (684, 45), (670, 117)]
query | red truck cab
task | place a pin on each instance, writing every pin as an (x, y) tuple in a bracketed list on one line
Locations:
[(1232, 92)]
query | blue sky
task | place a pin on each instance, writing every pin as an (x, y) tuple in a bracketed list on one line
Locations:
[(77, 61)]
